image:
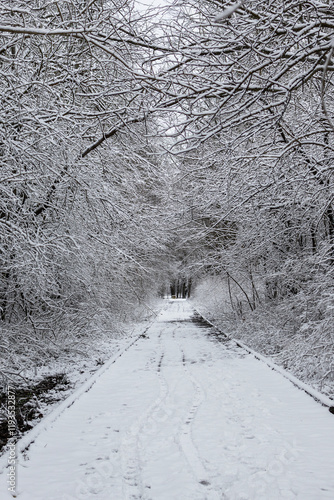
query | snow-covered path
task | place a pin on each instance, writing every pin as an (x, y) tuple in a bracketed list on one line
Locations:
[(181, 416)]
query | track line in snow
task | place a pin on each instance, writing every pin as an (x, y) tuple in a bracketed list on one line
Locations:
[(186, 441), (185, 438), (133, 488)]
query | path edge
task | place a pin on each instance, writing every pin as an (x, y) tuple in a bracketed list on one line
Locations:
[(316, 395), (24, 442)]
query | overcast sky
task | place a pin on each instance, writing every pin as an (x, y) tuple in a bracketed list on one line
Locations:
[(153, 3)]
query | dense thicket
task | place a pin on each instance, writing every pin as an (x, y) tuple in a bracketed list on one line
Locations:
[(256, 142), (190, 142), (82, 195)]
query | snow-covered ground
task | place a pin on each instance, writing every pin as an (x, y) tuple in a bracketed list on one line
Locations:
[(180, 416)]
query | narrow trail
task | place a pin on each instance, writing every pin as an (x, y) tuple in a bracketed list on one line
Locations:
[(181, 416)]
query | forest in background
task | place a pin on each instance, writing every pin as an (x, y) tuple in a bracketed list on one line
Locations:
[(140, 146)]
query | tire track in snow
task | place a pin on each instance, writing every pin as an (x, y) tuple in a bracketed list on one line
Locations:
[(133, 488), (186, 442)]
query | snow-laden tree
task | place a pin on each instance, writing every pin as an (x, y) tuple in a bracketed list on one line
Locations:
[(92, 211), (82, 196), (255, 114)]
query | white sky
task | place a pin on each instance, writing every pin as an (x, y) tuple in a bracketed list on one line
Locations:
[(153, 3)]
